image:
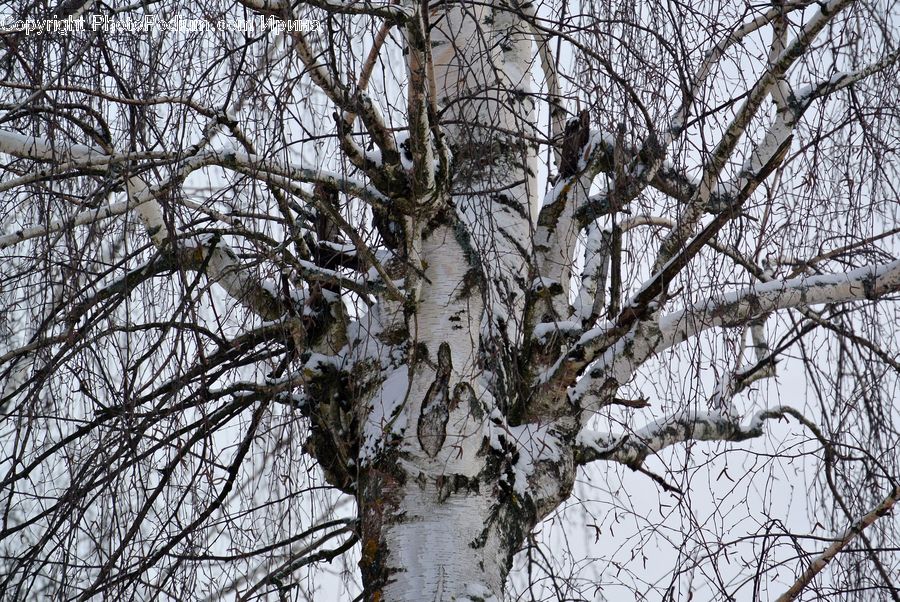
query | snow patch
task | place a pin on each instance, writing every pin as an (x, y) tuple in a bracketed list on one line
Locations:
[(406, 158), (542, 283), (595, 140), (542, 330), (386, 416), (600, 442), (374, 157), (476, 592), (319, 361), (533, 443)]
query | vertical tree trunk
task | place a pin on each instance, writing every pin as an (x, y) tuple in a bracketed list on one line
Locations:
[(443, 490)]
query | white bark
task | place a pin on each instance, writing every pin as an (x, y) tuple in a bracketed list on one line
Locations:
[(443, 530), (622, 359), (433, 548), (483, 51), (592, 292), (555, 243)]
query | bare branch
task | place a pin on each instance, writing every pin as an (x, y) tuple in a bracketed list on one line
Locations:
[(385, 10), (856, 529)]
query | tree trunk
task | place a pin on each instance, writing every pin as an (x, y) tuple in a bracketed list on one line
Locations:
[(445, 492)]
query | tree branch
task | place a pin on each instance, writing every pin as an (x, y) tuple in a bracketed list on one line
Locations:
[(633, 448), (849, 535), (621, 360)]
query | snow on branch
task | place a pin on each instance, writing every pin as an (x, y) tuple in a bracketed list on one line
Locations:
[(213, 257), (79, 219), (266, 169), (714, 55), (777, 138), (681, 187), (618, 355), (30, 147), (870, 282), (839, 81), (634, 447), (81, 156)]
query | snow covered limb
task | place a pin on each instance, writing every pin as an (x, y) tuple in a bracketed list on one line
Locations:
[(679, 186), (557, 236), (592, 292), (19, 145), (78, 155), (82, 156), (620, 361), (267, 169), (80, 219), (212, 256), (557, 228), (558, 225), (839, 81), (870, 282), (618, 354), (776, 138), (142, 198), (635, 332), (634, 447), (678, 247)]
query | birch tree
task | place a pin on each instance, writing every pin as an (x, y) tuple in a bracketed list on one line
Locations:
[(381, 288)]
